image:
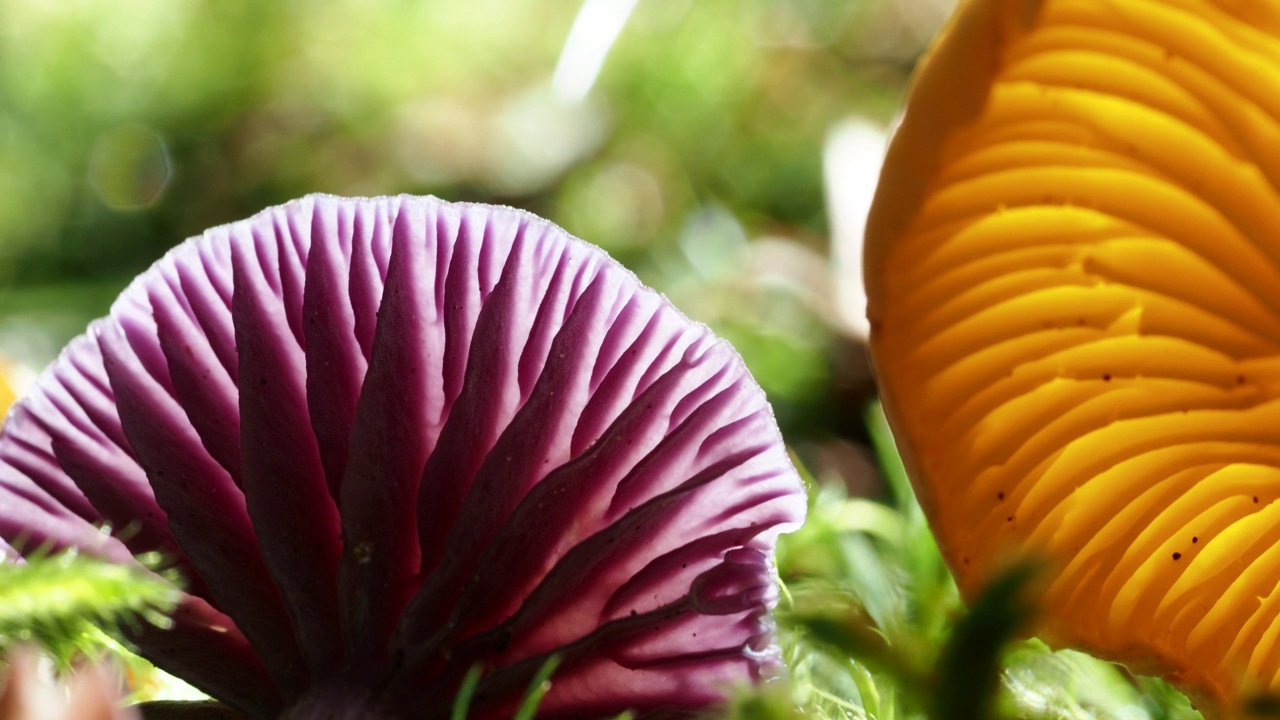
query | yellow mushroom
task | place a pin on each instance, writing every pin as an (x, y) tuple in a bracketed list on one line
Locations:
[(1073, 275)]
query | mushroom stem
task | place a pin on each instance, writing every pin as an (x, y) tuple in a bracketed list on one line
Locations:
[(180, 710), (337, 703)]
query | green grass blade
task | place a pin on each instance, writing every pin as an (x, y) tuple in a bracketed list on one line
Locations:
[(462, 701), (537, 689)]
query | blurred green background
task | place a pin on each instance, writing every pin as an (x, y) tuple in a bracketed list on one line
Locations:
[(688, 138)]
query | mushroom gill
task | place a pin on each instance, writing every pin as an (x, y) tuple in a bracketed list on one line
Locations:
[(1073, 271)]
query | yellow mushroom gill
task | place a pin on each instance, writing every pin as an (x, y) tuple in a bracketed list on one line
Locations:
[(1073, 275)]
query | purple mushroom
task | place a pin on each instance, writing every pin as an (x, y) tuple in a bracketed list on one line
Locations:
[(390, 440)]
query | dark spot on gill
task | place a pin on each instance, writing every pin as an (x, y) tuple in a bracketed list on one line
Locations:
[(503, 640)]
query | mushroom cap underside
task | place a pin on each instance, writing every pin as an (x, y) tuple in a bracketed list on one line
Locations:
[(1073, 276)]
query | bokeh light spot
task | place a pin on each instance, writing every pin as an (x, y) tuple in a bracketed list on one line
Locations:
[(130, 167)]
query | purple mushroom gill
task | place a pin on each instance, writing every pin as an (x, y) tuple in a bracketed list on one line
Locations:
[(389, 440)]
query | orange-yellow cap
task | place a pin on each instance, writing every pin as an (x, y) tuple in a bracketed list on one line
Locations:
[(1073, 276), (8, 394)]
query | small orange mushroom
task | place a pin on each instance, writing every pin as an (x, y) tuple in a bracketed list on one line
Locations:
[(1073, 275)]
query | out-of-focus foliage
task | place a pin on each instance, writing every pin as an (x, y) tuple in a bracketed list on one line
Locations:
[(74, 607), (71, 604), (873, 627), (684, 137)]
